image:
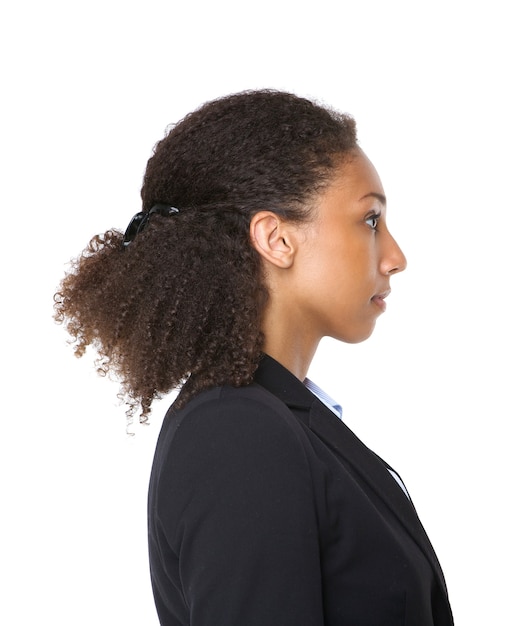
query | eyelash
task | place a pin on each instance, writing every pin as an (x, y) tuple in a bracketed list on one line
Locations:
[(375, 218)]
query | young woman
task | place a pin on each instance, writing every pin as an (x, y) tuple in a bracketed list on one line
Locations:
[(263, 230)]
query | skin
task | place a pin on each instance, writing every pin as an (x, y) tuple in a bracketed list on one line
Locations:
[(327, 277)]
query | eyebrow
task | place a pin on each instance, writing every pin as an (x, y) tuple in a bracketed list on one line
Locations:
[(379, 196)]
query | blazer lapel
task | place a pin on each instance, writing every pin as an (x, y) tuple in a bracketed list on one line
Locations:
[(373, 471), (348, 447)]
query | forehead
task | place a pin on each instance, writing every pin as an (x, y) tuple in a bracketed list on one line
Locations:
[(355, 188), (358, 177)]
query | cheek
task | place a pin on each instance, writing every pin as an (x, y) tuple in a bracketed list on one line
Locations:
[(358, 270)]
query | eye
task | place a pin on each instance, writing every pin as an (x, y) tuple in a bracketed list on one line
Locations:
[(372, 220)]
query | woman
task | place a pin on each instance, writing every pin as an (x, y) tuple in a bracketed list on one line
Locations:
[(263, 230)]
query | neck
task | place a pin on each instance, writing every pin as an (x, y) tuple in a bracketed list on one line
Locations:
[(289, 343)]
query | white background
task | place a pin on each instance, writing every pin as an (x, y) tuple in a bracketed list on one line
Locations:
[(87, 90)]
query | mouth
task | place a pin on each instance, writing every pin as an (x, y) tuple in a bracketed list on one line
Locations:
[(379, 299)]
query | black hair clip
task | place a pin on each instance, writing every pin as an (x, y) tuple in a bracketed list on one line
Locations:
[(140, 220)]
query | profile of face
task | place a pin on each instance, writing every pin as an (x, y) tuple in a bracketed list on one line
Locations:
[(347, 255), (330, 276)]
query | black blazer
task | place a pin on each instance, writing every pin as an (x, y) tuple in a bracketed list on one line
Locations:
[(265, 509)]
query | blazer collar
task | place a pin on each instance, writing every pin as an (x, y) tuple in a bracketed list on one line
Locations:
[(283, 384), (352, 452)]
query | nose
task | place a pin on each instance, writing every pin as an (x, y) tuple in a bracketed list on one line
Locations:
[(393, 259)]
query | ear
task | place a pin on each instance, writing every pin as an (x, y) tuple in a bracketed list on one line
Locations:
[(273, 238)]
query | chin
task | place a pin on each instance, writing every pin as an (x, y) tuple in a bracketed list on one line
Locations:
[(355, 337)]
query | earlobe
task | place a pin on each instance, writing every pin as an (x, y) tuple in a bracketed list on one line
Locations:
[(270, 237)]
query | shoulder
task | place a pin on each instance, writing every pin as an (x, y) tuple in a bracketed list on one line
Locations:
[(231, 448), (240, 409), (243, 427)]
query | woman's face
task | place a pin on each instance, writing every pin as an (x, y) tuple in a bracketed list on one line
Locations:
[(347, 256)]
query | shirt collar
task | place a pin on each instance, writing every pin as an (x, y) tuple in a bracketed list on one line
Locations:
[(334, 406)]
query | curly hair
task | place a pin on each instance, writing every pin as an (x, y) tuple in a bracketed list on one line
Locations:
[(181, 306)]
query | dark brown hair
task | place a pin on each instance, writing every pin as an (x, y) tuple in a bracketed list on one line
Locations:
[(185, 299)]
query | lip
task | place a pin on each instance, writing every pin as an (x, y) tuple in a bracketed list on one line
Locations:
[(379, 299)]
